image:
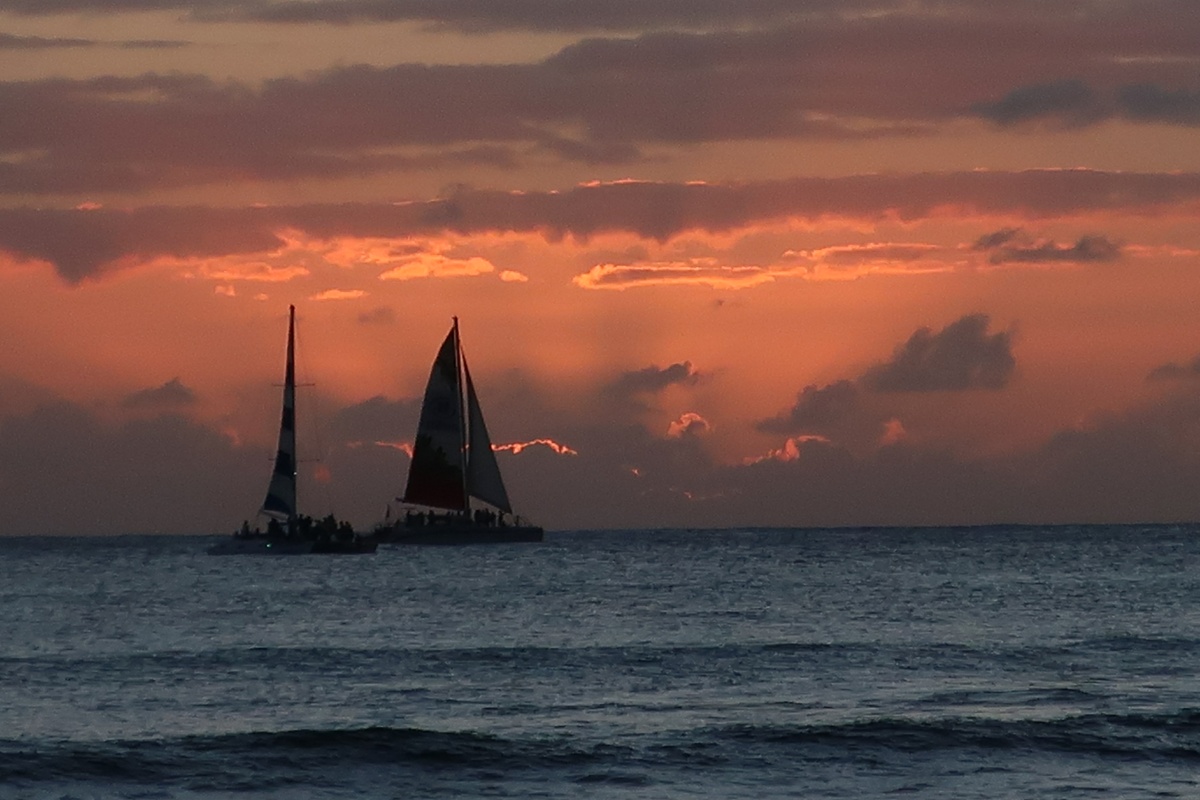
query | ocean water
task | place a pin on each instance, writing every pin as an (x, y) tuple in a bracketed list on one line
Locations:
[(944, 663)]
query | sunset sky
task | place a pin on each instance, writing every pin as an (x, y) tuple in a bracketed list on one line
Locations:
[(716, 262)]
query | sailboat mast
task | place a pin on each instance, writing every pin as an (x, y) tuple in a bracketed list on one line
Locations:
[(280, 502), (462, 416), (289, 410)]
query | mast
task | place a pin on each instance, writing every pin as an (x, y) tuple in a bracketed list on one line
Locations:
[(462, 419), (435, 475), (280, 502)]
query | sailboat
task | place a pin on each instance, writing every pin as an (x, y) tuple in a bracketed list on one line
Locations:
[(453, 463), (288, 532)]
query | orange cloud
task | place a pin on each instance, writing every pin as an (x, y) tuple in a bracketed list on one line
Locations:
[(850, 261), (517, 447), (697, 273), (404, 447), (259, 271), (893, 432), (689, 424), (339, 294), (436, 265), (789, 451), (85, 244)]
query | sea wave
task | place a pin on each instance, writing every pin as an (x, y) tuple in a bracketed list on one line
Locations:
[(278, 758), (322, 656), (1169, 735), (262, 759)]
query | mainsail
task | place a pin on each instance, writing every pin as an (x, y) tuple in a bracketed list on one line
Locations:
[(452, 456), (280, 502), (435, 477)]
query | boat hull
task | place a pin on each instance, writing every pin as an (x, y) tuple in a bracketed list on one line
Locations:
[(260, 546), (263, 546), (345, 548), (460, 534)]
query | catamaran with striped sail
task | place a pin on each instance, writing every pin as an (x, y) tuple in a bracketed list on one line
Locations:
[(288, 532), (453, 463)]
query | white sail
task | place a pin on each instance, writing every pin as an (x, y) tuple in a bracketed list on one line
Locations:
[(483, 473), (280, 502)]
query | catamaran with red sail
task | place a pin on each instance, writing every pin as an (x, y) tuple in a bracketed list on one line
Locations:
[(452, 464)]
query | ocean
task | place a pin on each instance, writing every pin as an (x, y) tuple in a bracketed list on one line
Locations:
[(996, 662)]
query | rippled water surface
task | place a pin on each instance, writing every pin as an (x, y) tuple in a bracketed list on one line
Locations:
[(950, 663)]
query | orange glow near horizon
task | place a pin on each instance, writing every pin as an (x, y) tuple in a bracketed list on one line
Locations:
[(986, 266)]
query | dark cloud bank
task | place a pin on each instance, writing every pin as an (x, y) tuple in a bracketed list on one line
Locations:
[(818, 71), (961, 357), (83, 244), (63, 470)]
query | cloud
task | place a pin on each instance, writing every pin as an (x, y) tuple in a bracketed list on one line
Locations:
[(149, 474), (870, 411), (1148, 103), (788, 451), (376, 419), (172, 394), (381, 315), (435, 265), (1173, 371), (88, 243), (654, 379), (1072, 102), (624, 99), (550, 444), (707, 273), (689, 424), (962, 356), (816, 408), (1076, 104), (10, 41), (852, 261), (893, 432), (479, 16), (253, 269), (19, 396), (990, 241), (339, 294), (1007, 246), (1141, 464), (876, 252)]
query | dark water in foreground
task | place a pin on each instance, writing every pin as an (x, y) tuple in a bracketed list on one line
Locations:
[(973, 663)]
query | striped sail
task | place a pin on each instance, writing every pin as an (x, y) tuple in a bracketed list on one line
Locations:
[(483, 473), (281, 494), (435, 477)]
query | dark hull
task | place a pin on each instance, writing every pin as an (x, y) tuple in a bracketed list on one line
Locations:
[(460, 534), (263, 546), (334, 548), (259, 546)]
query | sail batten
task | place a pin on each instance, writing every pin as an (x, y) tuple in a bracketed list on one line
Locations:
[(484, 481)]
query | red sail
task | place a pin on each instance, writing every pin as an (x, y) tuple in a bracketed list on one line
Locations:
[(435, 477)]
